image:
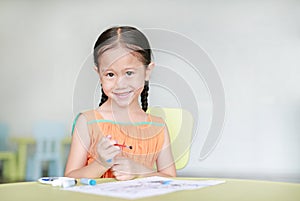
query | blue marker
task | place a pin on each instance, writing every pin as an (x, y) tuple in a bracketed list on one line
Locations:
[(58, 181), (166, 182), (47, 180), (87, 181), (163, 182)]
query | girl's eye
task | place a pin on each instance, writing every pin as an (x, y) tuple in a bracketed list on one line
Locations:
[(129, 73), (109, 74)]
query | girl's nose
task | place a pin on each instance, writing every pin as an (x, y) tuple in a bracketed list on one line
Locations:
[(121, 82)]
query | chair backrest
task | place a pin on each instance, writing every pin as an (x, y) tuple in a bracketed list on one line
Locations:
[(48, 137), (180, 125), (4, 135)]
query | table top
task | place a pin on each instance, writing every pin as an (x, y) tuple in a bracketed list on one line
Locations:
[(231, 190)]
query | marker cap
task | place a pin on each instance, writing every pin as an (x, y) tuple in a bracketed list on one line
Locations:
[(92, 182)]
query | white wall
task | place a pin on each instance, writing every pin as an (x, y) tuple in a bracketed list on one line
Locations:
[(253, 44)]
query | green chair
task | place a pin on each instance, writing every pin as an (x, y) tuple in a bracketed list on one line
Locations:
[(180, 125), (7, 157)]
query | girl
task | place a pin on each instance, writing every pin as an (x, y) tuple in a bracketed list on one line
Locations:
[(119, 139)]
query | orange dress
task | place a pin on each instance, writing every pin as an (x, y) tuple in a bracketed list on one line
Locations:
[(146, 138)]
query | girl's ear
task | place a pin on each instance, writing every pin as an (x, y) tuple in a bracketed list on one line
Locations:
[(97, 71), (149, 70)]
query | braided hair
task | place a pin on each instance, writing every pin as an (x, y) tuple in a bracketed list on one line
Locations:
[(144, 96), (103, 97), (130, 38)]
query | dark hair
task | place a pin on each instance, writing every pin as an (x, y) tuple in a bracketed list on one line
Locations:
[(130, 38)]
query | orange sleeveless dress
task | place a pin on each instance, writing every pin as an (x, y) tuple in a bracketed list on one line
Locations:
[(146, 138)]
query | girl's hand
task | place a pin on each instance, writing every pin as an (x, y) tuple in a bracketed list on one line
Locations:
[(126, 169), (107, 151)]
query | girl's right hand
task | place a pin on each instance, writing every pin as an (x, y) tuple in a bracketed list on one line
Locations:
[(107, 151)]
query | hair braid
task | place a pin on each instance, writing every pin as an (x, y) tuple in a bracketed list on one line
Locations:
[(144, 96), (103, 97)]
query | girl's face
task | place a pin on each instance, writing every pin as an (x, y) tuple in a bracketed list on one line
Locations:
[(122, 76)]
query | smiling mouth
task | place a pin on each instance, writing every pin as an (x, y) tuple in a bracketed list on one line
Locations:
[(123, 95)]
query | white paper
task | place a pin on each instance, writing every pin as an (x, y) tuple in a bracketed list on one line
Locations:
[(144, 187)]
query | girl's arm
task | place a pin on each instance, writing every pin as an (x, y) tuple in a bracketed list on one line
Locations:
[(76, 164), (165, 161)]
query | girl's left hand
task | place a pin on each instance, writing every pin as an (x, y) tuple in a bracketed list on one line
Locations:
[(126, 169)]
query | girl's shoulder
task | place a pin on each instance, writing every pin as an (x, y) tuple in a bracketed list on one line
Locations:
[(156, 120), (90, 114), (84, 117)]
